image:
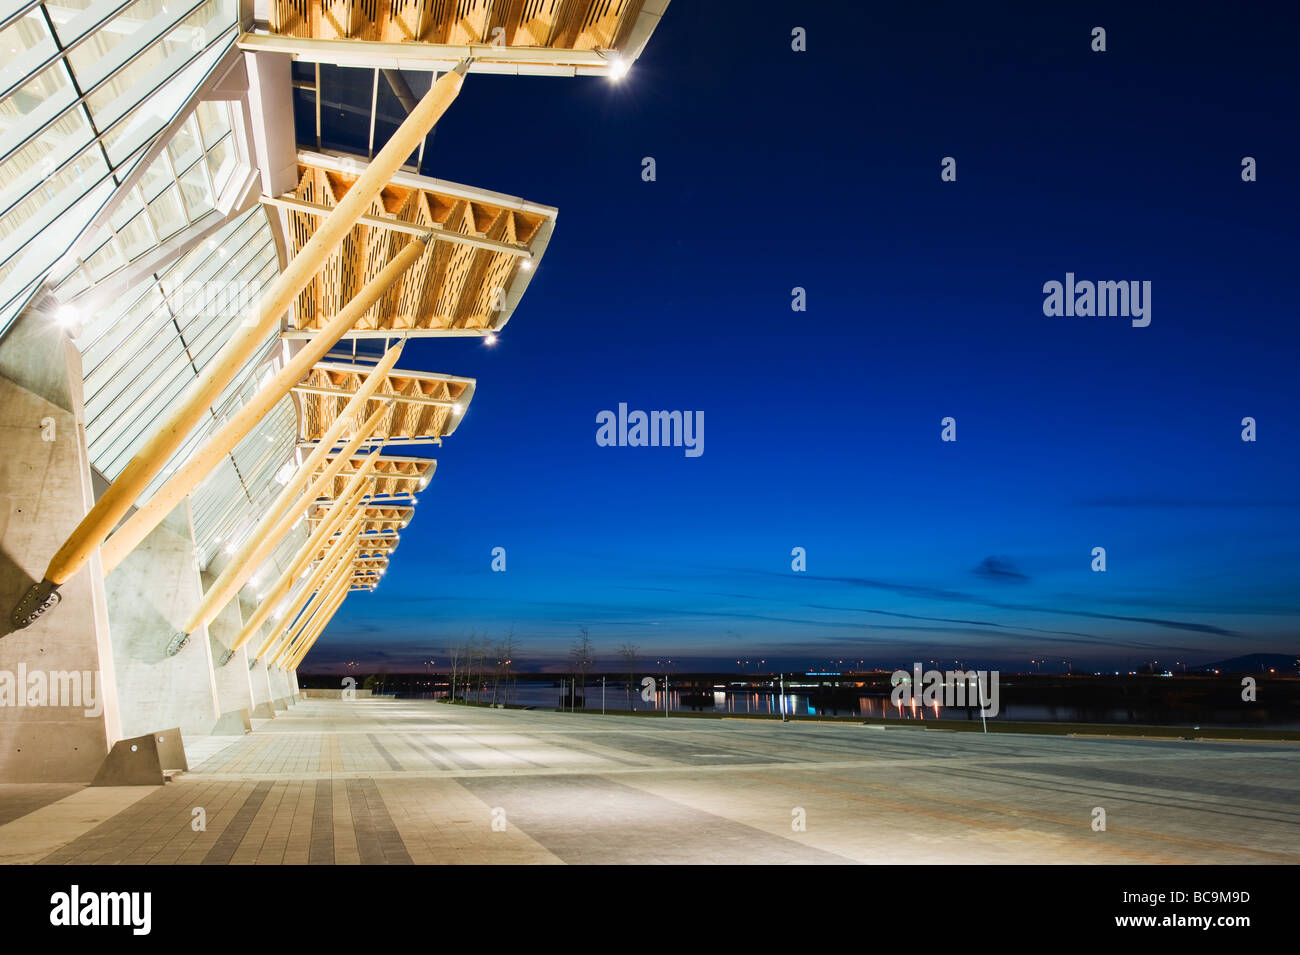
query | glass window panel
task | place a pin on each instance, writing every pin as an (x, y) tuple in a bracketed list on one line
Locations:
[(167, 215), (136, 238), (124, 83), (40, 156), (156, 177), (74, 284), (194, 187), (221, 160), (185, 147), (24, 45), (33, 105), (214, 120), (106, 49), (127, 208), (104, 261), (43, 207), (72, 18)]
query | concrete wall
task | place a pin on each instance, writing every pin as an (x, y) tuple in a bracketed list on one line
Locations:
[(279, 689), (45, 490), (263, 705), (149, 596), (234, 686)]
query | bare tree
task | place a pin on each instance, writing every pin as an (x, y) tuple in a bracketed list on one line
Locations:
[(506, 651), (457, 654), (476, 652), (583, 654), (629, 653)]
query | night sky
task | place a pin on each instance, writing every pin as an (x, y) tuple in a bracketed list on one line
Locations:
[(821, 169)]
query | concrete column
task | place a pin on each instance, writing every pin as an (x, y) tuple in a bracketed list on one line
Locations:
[(263, 707), (279, 689), (234, 686), (45, 490), (149, 595)]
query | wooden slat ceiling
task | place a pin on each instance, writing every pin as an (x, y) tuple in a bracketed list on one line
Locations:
[(554, 24), (424, 406), (374, 547), (453, 285), (378, 517), (390, 476)]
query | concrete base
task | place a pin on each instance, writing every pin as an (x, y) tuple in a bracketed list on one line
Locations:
[(143, 760), (233, 724), (264, 711)]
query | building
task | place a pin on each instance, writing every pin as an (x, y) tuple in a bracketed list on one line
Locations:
[(200, 461)]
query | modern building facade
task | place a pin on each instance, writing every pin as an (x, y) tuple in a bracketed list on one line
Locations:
[(201, 461)]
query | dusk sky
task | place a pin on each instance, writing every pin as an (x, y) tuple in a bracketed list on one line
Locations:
[(821, 169)]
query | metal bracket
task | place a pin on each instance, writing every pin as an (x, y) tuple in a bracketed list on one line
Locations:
[(225, 658), (252, 663), (178, 642), (39, 600)]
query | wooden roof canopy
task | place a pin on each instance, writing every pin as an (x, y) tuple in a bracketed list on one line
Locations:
[(377, 517), (426, 406), (529, 35), (390, 475), (467, 281)]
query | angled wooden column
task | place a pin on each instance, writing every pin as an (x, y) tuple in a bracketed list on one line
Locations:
[(297, 658), (117, 500), (314, 629), (149, 515), (305, 593), (314, 622), (292, 663), (346, 507), (337, 581), (285, 511), (343, 550), (266, 540)]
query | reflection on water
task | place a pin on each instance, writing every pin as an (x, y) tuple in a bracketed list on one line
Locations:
[(741, 702)]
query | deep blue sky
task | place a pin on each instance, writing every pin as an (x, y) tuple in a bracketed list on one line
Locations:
[(821, 169)]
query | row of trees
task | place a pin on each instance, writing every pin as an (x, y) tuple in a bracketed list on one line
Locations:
[(479, 665), (484, 671)]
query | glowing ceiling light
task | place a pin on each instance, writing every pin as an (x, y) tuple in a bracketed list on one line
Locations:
[(490, 338), (67, 317), (617, 69)]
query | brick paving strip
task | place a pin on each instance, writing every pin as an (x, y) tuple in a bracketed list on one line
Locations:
[(378, 841), (224, 850), (322, 825)]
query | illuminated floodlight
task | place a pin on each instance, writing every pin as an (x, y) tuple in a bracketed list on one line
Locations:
[(618, 68), (67, 317), (490, 338)]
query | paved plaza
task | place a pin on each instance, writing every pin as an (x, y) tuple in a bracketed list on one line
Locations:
[(400, 782)]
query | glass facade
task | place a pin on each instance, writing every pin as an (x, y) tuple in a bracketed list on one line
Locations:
[(85, 87)]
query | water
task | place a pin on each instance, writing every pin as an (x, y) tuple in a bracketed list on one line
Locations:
[(751, 702)]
